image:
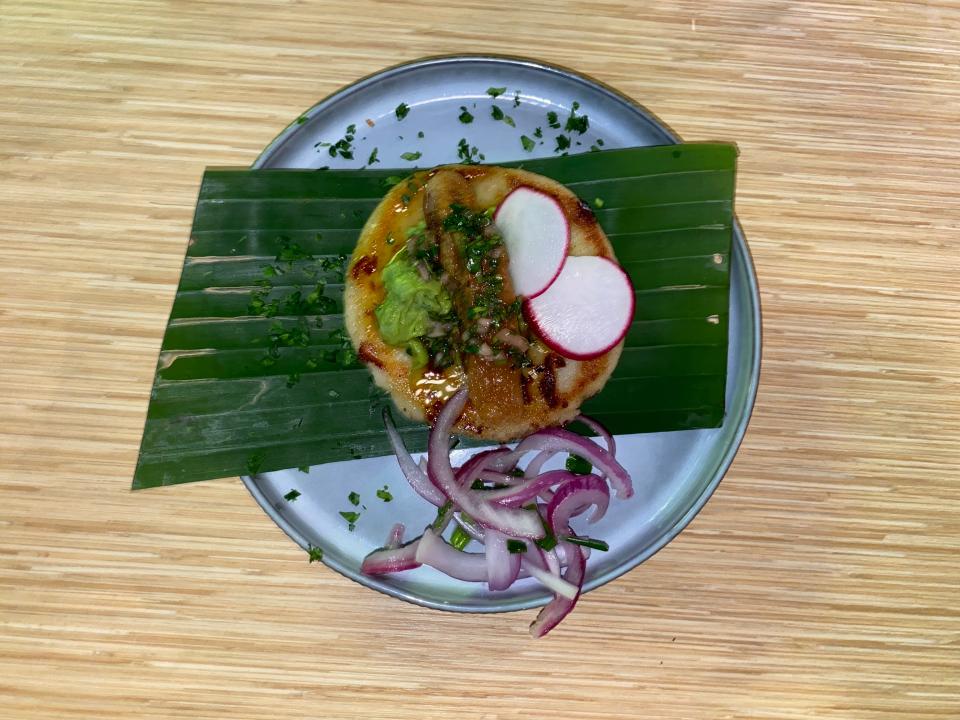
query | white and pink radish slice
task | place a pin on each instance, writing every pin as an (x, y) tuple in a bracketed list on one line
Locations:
[(586, 310), (537, 236)]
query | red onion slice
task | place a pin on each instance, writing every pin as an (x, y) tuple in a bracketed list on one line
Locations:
[(529, 489), (411, 471), (515, 523), (502, 565), (565, 441), (558, 608), (575, 497), (600, 430), (395, 538), (558, 585), (390, 560), (534, 466), (476, 465), (499, 478), (434, 551)]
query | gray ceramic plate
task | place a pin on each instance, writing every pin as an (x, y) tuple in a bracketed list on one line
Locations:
[(687, 466)]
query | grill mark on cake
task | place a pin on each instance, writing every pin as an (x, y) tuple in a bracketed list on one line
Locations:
[(366, 265)]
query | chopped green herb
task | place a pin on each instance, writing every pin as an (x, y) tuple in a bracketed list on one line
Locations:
[(516, 99), (292, 495), (254, 463), (314, 553), (576, 123), (477, 485), (553, 120), (600, 545), (563, 142), (292, 379), (303, 468), (465, 117), (515, 547), (497, 114), (538, 133), (496, 91), (342, 147), (351, 517), (420, 134), (527, 143), (600, 142), (392, 180), (402, 111), (578, 465), (467, 153), (411, 156), (598, 202), (354, 499), (302, 119), (459, 538), (594, 148), (385, 494), (373, 157)]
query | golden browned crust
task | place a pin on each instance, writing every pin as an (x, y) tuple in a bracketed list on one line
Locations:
[(498, 408)]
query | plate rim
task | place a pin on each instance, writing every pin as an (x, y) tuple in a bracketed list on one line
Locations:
[(740, 248)]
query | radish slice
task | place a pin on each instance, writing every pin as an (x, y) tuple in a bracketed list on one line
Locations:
[(537, 236), (586, 311)]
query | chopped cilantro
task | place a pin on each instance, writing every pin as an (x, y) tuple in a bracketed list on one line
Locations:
[(351, 516), (576, 123), (342, 147), (553, 120), (303, 468), (373, 157), (385, 494), (402, 111), (538, 133), (254, 463), (465, 117), (516, 546), (411, 156), (354, 499), (598, 202), (527, 143), (292, 379), (314, 553), (516, 99), (392, 180), (497, 114), (292, 495), (420, 134), (578, 465), (600, 142), (302, 119), (496, 91), (594, 148), (467, 153), (563, 142)]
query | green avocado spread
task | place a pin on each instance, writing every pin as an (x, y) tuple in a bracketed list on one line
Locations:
[(411, 302)]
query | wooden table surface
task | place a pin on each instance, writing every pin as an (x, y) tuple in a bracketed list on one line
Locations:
[(821, 581)]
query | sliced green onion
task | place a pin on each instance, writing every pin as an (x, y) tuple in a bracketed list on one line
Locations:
[(588, 542)]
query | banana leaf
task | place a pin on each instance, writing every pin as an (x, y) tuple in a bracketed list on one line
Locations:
[(255, 373)]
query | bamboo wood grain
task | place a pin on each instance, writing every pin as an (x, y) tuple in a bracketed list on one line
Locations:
[(820, 581)]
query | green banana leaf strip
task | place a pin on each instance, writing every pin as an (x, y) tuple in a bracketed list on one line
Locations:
[(256, 374)]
